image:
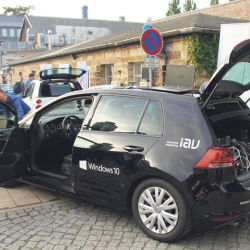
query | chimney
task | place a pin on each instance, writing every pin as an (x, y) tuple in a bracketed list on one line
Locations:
[(122, 18), (85, 12)]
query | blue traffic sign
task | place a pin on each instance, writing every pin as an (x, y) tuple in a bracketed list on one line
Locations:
[(151, 42)]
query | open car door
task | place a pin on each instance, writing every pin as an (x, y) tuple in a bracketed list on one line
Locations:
[(12, 156)]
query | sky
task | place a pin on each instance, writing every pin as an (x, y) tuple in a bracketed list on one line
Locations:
[(133, 10)]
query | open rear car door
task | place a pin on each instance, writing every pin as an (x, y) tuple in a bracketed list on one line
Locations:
[(232, 76), (12, 155)]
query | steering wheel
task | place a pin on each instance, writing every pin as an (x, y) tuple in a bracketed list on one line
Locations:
[(71, 130)]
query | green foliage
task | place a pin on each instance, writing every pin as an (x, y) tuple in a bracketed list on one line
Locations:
[(231, 0), (173, 8), (202, 52), (189, 5), (214, 2), (17, 11)]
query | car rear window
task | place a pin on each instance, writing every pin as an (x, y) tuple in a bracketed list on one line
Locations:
[(55, 89)]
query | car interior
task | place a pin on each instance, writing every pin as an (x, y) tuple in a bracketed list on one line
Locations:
[(54, 135)]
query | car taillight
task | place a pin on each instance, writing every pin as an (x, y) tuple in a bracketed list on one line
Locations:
[(217, 158), (38, 101), (223, 218), (38, 106)]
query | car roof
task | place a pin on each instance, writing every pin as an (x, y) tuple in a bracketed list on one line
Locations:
[(130, 92), (133, 92)]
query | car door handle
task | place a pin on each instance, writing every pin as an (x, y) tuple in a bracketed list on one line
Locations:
[(133, 148)]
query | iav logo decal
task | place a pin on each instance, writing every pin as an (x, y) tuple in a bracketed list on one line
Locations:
[(184, 143)]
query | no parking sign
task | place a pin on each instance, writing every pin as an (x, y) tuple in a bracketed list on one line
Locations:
[(151, 42)]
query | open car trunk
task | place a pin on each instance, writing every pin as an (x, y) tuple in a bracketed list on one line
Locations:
[(225, 102), (230, 121)]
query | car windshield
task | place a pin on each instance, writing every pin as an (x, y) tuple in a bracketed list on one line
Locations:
[(78, 108)]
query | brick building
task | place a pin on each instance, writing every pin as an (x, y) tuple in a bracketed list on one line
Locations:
[(119, 57), (236, 9)]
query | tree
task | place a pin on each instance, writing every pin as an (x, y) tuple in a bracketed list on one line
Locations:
[(214, 2), (231, 0), (17, 11), (189, 5), (173, 8)]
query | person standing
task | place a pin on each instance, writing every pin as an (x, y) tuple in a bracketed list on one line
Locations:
[(15, 103), (19, 87), (31, 78), (4, 81)]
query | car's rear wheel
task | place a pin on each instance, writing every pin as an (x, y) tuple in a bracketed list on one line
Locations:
[(161, 211)]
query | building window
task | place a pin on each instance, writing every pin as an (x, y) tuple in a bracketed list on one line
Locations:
[(18, 32), (12, 32), (108, 74), (20, 73), (137, 69), (90, 32), (4, 32)]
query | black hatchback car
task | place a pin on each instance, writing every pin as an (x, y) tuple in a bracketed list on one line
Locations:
[(176, 160)]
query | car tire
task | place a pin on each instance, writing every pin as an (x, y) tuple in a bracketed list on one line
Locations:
[(166, 224)]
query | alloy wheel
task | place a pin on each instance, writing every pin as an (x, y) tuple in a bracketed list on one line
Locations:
[(158, 210)]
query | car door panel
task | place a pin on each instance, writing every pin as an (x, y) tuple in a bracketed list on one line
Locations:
[(108, 162), (110, 148), (12, 155)]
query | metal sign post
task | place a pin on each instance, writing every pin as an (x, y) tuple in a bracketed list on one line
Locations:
[(150, 75)]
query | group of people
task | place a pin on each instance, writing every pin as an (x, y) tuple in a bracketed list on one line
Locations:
[(14, 101), (22, 86)]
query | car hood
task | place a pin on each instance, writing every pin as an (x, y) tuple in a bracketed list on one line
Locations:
[(218, 83)]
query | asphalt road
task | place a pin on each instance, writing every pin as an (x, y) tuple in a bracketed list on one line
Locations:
[(80, 225)]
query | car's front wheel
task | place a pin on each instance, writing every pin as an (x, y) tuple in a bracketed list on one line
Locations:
[(161, 211)]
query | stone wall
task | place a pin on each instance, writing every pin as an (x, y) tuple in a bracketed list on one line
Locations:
[(122, 59)]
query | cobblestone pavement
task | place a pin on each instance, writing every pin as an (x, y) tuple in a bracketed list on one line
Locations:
[(80, 225)]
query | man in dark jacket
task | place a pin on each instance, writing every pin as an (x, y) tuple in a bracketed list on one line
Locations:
[(15, 103), (19, 87), (4, 81)]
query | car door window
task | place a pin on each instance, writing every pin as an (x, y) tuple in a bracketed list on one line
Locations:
[(29, 89), (7, 118), (152, 123), (117, 113)]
